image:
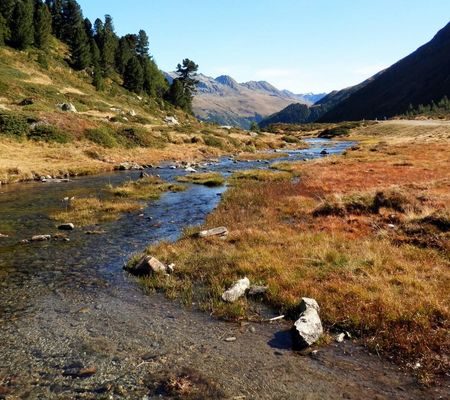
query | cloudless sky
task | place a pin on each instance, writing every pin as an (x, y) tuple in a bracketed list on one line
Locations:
[(303, 46)]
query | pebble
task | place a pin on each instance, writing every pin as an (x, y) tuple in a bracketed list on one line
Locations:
[(230, 339)]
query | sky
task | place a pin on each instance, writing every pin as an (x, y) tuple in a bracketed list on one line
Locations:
[(303, 46)]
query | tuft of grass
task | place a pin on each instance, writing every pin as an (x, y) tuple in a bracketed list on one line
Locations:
[(91, 210), (207, 178), (144, 189), (102, 136), (259, 175)]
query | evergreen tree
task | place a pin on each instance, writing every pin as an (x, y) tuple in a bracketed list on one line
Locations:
[(155, 84), (176, 95), (133, 77), (95, 52), (22, 32), (72, 19), (125, 50), (98, 31), (42, 26), (4, 30), (108, 47), (142, 46), (56, 10), (88, 28), (97, 79), (187, 71), (80, 48)]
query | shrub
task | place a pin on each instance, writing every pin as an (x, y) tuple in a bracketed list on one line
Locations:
[(49, 133), (135, 137), (13, 125), (102, 136), (290, 139), (214, 142)]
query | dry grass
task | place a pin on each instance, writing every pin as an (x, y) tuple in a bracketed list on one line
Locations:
[(91, 210), (148, 188), (206, 178), (260, 175), (379, 266)]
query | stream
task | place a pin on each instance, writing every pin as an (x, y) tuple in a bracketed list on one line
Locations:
[(69, 305)]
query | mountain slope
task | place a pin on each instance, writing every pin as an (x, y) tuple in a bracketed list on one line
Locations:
[(224, 101), (420, 78)]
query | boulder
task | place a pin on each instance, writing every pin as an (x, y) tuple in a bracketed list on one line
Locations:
[(147, 265), (236, 291), (66, 227), (127, 166), (41, 238), (190, 169), (171, 121), (308, 328), (67, 107), (324, 152), (26, 102), (220, 231)]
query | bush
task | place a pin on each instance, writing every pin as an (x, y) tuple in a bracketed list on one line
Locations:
[(49, 133), (13, 125), (290, 139), (102, 136), (214, 142), (138, 137)]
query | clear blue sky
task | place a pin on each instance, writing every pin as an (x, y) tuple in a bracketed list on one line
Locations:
[(303, 46)]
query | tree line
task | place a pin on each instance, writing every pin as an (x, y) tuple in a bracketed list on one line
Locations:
[(95, 47)]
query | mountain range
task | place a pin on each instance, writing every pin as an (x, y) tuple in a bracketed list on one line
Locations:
[(224, 101)]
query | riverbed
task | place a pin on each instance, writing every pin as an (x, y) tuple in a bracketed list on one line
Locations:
[(68, 306)]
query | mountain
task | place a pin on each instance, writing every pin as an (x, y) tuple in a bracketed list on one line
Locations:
[(301, 113), (420, 78), (224, 101)]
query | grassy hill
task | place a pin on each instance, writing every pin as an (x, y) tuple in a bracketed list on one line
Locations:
[(420, 78)]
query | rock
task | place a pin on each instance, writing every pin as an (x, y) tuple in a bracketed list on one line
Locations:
[(190, 169), (26, 102), (340, 337), (257, 290), (41, 238), (171, 268), (308, 328), (324, 152), (236, 291), (132, 113), (308, 303), (77, 371), (252, 329), (230, 339), (171, 121), (67, 107), (66, 227), (146, 266), (2, 235), (127, 166), (220, 231)]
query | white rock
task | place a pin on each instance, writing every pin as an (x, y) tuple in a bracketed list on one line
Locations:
[(309, 303), (171, 121), (236, 291), (66, 227), (220, 231), (41, 238), (190, 169), (340, 337), (307, 329)]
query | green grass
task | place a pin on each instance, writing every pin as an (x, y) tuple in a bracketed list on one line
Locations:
[(208, 179), (144, 189)]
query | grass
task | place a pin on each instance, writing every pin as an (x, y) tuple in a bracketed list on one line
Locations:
[(148, 188), (207, 178), (91, 210), (260, 175), (378, 266)]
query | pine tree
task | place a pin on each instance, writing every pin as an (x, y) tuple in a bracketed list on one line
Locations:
[(155, 84), (22, 32), (4, 30), (176, 95), (133, 77), (108, 47), (97, 79), (125, 50), (88, 28), (80, 48), (42, 26), (187, 71), (142, 47), (7, 8), (72, 19), (56, 7)]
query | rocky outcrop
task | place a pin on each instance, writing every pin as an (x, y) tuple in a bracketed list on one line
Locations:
[(308, 328)]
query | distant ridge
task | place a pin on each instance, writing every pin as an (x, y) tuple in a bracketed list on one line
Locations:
[(420, 78), (224, 101)]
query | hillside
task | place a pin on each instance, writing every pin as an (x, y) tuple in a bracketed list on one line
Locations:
[(224, 101), (420, 78), (302, 113)]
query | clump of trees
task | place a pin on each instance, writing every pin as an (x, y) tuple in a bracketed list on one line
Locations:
[(95, 47), (441, 108)]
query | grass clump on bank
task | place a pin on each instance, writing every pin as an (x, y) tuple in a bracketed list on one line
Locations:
[(207, 178), (147, 188), (91, 210), (260, 175)]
